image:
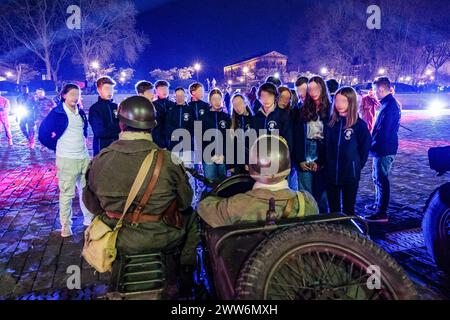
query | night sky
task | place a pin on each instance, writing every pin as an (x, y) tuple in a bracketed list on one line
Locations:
[(215, 33)]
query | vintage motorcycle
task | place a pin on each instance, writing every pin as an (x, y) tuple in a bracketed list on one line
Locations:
[(312, 258)]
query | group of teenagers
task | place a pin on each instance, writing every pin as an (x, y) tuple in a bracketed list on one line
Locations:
[(329, 142)]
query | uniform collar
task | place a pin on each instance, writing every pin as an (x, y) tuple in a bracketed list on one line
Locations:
[(283, 184), (129, 135)]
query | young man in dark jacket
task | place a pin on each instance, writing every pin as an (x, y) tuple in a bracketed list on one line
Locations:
[(384, 147), (179, 116), (64, 130), (270, 116), (199, 106), (103, 116), (162, 105)]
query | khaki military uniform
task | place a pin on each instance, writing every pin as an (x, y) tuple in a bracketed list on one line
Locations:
[(252, 206), (109, 179)]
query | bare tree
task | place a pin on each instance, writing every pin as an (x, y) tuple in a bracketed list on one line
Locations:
[(36, 26), (108, 30)]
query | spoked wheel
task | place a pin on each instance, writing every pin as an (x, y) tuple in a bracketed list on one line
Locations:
[(322, 262)]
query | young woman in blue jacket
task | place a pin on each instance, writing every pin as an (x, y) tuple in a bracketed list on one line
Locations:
[(347, 144)]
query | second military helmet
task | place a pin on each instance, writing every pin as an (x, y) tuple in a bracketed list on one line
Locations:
[(269, 159), (137, 112)]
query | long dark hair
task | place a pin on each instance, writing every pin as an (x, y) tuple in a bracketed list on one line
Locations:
[(235, 115), (352, 114), (309, 111)]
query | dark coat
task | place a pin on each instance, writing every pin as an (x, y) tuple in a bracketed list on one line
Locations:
[(179, 117), (105, 124), (346, 151), (200, 108), (385, 131)]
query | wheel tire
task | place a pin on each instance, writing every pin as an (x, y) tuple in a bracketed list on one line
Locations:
[(435, 227), (262, 262)]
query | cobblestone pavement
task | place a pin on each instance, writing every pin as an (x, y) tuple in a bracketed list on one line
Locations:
[(34, 258)]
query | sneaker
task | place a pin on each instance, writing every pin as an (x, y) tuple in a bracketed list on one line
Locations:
[(371, 207), (66, 231), (377, 218)]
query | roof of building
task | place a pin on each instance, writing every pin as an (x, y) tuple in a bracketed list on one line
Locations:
[(262, 54)]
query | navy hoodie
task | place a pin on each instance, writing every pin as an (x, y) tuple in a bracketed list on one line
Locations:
[(159, 133), (179, 117), (200, 108), (215, 120), (346, 151), (385, 130), (277, 119), (57, 121), (104, 121), (245, 123)]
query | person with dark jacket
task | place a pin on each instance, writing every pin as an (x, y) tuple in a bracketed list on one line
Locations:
[(27, 114), (308, 137), (270, 116), (103, 116), (65, 131), (347, 144), (241, 123), (384, 147), (214, 158), (199, 106), (162, 105), (179, 115)]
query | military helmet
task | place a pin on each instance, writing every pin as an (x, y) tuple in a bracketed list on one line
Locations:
[(137, 112), (269, 159)]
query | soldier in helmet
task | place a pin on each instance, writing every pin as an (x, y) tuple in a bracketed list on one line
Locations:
[(110, 177), (269, 166)]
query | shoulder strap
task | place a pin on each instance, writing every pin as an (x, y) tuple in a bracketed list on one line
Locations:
[(301, 204), (137, 184), (150, 187), (288, 208)]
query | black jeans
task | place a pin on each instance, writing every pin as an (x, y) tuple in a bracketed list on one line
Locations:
[(348, 192)]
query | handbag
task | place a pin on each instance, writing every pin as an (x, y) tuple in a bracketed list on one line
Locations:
[(99, 248)]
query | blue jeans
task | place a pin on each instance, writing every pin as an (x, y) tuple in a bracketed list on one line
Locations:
[(313, 182), (214, 171), (380, 174)]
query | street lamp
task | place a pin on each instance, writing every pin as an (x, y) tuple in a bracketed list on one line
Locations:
[(123, 74), (230, 82), (8, 74), (197, 68), (276, 75), (324, 71), (428, 72), (381, 71), (95, 65)]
